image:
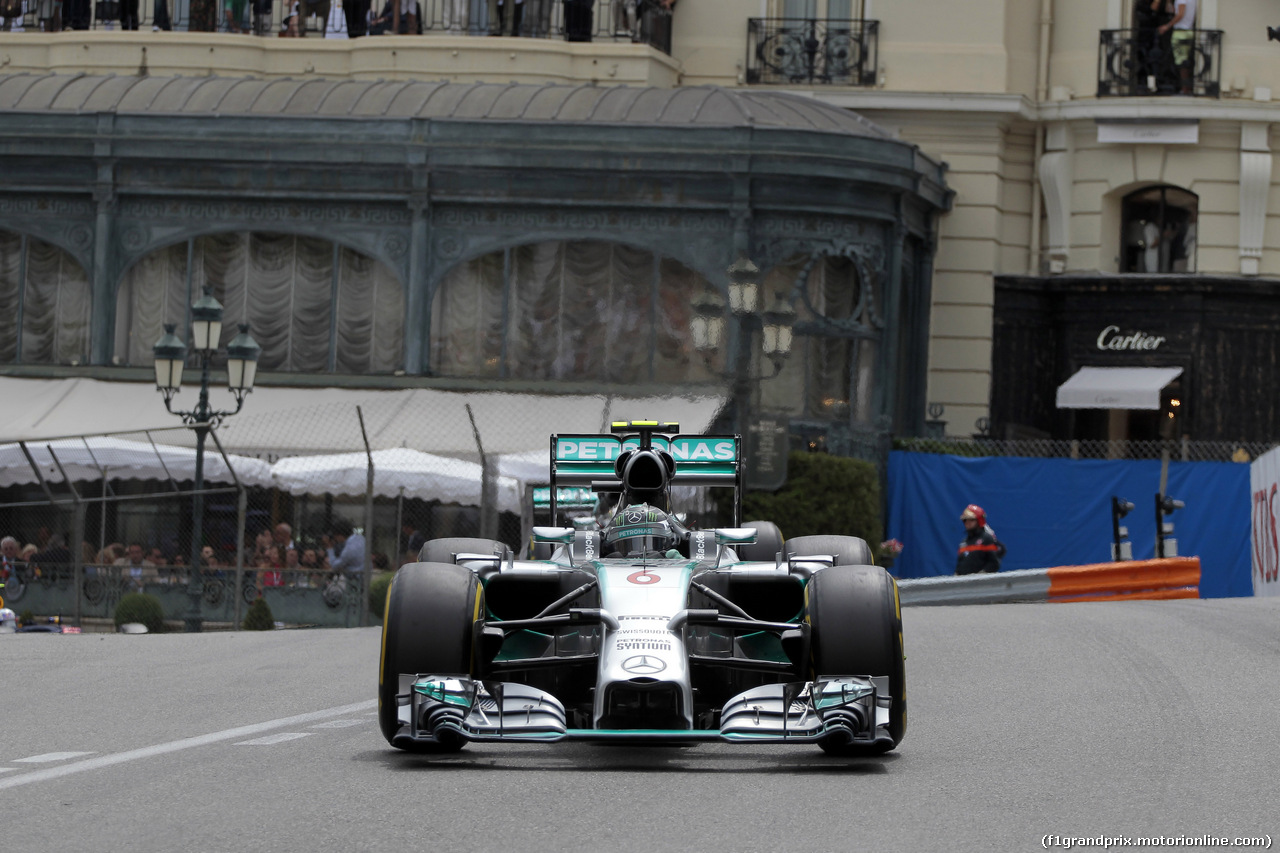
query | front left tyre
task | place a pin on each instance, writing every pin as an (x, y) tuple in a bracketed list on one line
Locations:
[(428, 627)]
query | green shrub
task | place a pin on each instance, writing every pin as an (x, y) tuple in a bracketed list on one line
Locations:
[(378, 593), (142, 608), (823, 494), (259, 617)]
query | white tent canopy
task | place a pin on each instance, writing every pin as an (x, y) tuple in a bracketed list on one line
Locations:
[(1116, 387), (279, 421), (418, 474), (85, 458), (531, 466)]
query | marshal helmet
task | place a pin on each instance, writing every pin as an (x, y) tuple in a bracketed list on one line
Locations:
[(975, 512)]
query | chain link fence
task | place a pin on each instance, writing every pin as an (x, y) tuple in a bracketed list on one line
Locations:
[(304, 507), (1183, 450)]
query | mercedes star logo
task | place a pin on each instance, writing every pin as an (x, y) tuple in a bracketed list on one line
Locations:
[(643, 665), (633, 518)]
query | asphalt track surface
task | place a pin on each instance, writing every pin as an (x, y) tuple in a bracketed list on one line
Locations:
[(1117, 719)]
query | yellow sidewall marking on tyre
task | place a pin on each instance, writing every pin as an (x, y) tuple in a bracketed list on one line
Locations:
[(382, 659), (475, 617)]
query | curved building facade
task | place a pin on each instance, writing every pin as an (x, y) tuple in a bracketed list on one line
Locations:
[(541, 236)]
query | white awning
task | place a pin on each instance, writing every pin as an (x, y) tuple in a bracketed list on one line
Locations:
[(1116, 387), (397, 471), (120, 459)]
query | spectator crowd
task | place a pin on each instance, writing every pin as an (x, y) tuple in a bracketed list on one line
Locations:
[(633, 19), (272, 558)]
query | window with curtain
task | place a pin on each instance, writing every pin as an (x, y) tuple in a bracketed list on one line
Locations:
[(831, 373), (313, 306), (45, 304), (578, 310)]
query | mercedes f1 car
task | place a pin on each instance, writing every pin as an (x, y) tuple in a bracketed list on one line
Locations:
[(643, 630)]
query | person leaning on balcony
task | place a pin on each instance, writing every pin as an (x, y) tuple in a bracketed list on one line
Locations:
[(49, 13), (1184, 36), (410, 20), (261, 10), (455, 15), (357, 12), (578, 16), (10, 11), (504, 17), (234, 12), (289, 26)]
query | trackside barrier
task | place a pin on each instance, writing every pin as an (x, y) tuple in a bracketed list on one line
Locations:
[(1174, 577)]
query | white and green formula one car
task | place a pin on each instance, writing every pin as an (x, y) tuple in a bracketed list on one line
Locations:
[(643, 630)]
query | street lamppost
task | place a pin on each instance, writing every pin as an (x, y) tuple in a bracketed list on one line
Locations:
[(775, 324), (242, 364)]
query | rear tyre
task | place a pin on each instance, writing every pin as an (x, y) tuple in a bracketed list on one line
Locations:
[(428, 627), (848, 550), (856, 625), (767, 545), (444, 550)]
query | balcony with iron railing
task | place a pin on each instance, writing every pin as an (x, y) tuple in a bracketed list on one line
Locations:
[(810, 51), (1142, 62)]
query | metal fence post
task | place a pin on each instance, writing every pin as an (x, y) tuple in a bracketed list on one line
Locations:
[(368, 526), (77, 556), (242, 512)]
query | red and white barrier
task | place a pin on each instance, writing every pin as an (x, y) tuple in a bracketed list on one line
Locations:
[(1172, 577)]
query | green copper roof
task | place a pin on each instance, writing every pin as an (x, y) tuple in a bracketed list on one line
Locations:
[(708, 106)]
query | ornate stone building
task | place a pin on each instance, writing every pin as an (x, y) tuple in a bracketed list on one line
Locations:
[(1075, 138)]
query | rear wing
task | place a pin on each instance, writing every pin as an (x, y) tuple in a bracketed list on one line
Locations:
[(587, 460)]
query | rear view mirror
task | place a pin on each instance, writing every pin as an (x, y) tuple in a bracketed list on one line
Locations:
[(735, 535), (557, 535)]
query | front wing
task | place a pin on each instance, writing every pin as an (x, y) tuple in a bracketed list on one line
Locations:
[(847, 709)]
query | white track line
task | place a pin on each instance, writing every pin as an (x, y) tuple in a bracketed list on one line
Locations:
[(271, 740), (50, 757), (179, 745)]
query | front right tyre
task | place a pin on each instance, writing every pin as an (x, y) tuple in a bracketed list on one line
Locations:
[(428, 627)]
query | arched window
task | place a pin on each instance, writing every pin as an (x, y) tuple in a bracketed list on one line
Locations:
[(578, 310), (831, 373), (312, 305), (1158, 230), (45, 304)]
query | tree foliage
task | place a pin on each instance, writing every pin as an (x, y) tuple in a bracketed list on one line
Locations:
[(823, 494), (141, 608), (259, 617)]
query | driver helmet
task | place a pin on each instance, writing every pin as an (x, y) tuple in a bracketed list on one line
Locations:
[(8, 620), (640, 528), (975, 512)]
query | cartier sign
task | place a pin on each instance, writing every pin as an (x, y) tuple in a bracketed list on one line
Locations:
[(1111, 338)]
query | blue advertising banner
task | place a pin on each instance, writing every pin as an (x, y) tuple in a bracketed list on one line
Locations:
[(1057, 512)]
